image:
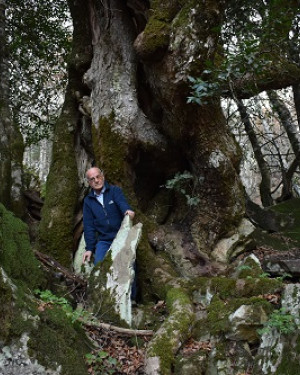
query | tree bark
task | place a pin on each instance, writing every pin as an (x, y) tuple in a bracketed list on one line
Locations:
[(265, 185), (293, 136), (139, 101), (65, 184), (11, 142)]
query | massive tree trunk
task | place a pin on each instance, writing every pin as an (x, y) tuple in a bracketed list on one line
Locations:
[(11, 142), (145, 129)]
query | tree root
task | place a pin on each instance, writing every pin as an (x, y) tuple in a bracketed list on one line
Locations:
[(171, 335), (120, 330), (52, 264)]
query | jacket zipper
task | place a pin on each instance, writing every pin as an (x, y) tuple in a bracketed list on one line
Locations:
[(105, 212)]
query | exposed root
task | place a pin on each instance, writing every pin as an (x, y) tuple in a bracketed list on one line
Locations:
[(171, 335)]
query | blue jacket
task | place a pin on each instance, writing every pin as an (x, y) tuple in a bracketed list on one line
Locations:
[(101, 223)]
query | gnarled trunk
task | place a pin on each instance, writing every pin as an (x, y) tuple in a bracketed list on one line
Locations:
[(144, 131)]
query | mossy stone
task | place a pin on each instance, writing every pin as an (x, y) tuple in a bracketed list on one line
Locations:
[(16, 255), (57, 341), (291, 208)]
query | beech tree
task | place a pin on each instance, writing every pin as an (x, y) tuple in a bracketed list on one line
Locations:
[(143, 102), (143, 131)]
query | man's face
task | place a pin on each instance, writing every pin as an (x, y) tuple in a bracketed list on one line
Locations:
[(96, 179)]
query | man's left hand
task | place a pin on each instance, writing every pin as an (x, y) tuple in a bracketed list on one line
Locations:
[(130, 213)]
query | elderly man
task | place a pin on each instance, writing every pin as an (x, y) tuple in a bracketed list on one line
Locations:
[(103, 211)]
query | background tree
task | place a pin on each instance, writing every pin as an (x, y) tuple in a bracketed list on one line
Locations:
[(39, 41), (270, 123), (292, 130), (11, 142), (265, 185), (30, 93)]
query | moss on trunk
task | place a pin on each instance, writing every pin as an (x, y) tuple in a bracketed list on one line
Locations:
[(56, 229), (173, 332), (110, 151)]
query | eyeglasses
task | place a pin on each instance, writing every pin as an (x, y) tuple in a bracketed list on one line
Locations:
[(93, 179)]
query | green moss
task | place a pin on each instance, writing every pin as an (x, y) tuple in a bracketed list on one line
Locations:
[(179, 322), (58, 341), (147, 316), (250, 268), (272, 240), (177, 295), (228, 288), (164, 350), (287, 218), (149, 264), (21, 273), (17, 310), (16, 255), (157, 31), (220, 285), (255, 287), (182, 18), (6, 309), (164, 10), (54, 340), (291, 208), (289, 364), (218, 311), (57, 224), (110, 151), (217, 316), (156, 36), (194, 364)]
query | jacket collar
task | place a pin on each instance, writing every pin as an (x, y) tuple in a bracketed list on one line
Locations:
[(107, 187)]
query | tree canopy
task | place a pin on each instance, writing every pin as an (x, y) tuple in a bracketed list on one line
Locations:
[(39, 40)]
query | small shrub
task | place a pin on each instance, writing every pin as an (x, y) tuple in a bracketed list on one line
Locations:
[(184, 183), (280, 320), (102, 363)]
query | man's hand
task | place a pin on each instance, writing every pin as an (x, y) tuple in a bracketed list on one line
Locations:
[(87, 256), (130, 213)]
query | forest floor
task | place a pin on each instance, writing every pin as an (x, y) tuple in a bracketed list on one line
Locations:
[(116, 353)]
